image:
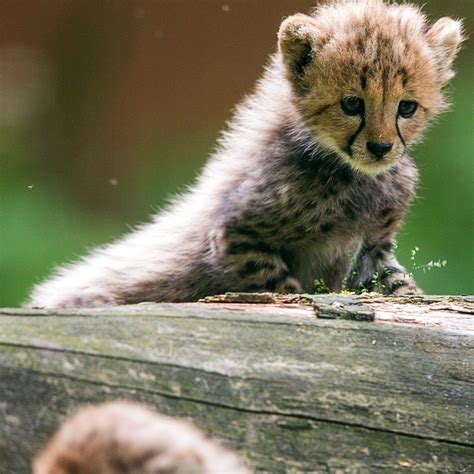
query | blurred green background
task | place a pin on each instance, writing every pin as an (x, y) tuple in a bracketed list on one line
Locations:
[(109, 108)]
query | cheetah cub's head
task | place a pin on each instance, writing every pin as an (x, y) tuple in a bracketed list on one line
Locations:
[(367, 76)]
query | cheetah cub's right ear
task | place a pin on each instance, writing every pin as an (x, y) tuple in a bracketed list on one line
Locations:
[(445, 37), (298, 40)]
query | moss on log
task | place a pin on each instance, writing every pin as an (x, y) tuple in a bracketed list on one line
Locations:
[(384, 384)]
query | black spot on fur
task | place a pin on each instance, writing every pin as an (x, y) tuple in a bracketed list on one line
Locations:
[(236, 248), (273, 283), (385, 212), (297, 213), (363, 76), (252, 266), (313, 163), (324, 174), (325, 228), (397, 186), (389, 222), (367, 248), (385, 74), (246, 231), (349, 211), (403, 73), (311, 159), (266, 225), (387, 246), (368, 284), (344, 174)]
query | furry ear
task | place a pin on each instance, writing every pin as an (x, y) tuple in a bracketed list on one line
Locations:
[(445, 37), (298, 39)]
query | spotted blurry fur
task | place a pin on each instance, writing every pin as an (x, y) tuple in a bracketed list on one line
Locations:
[(311, 179), (122, 437)]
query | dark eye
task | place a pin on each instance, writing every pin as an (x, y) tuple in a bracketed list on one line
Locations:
[(407, 108), (352, 106)]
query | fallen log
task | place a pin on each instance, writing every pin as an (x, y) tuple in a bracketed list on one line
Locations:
[(293, 383)]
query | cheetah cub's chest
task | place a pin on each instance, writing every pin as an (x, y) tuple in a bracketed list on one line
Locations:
[(352, 207)]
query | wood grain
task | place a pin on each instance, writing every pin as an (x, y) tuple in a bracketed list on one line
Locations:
[(288, 388)]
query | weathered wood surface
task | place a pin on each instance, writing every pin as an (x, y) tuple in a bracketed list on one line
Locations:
[(290, 389)]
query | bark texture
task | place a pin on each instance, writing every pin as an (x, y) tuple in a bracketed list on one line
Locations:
[(294, 383)]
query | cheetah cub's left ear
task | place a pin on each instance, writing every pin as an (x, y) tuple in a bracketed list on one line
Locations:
[(298, 40), (445, 38)]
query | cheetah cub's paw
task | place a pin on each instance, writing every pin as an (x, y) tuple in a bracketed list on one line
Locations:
[(407, 290), (401, 285), (289, 285)]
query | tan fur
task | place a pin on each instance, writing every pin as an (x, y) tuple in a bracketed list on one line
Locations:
[(389, 46), (127, 438), (294, 192)]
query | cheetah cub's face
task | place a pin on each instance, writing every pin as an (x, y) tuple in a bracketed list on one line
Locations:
[(368, 76)]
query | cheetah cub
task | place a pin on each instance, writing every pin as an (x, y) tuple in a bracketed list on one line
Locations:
[(312, 177)]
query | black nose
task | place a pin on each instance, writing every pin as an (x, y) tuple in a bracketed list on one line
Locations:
[(379, 149)]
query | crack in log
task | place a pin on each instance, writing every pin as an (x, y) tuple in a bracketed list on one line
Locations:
[(96, 355), (294, 415)]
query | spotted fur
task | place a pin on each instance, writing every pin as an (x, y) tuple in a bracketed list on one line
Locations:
[(122, 437), (293, 195)]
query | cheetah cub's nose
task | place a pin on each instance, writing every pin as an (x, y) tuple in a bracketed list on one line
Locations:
[(379, 149)]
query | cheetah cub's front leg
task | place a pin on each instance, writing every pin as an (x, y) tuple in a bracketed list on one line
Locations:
[(256, 266), (262, 271), (377, 269)]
